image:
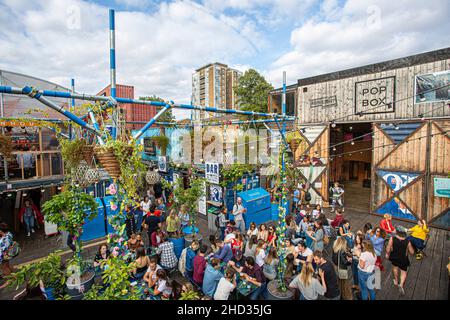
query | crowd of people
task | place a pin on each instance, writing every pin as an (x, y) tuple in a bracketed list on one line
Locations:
[(324, 258)]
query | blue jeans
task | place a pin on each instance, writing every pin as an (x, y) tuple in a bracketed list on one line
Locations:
[(222, 233), (417, 243), (29, 222), (261, 290), (363, 278), (240, 224), (355, 271), (138, 221)]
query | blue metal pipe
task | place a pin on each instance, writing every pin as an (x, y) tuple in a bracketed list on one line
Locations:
[(72, 85), (138, 134), (95, 124), (112, 66)]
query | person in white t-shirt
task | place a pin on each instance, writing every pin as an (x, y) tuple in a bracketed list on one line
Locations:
[(145, 205), (366, 270), (162, 286), (302, 254), (226, 285), (260, 253), (150, 275)]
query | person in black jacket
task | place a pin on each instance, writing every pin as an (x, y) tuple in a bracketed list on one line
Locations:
[(342, 259)]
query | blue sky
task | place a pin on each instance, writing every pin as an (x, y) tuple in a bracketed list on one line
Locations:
[(160, 43)]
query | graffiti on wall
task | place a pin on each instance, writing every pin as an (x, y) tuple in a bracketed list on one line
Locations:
[(397, 181)]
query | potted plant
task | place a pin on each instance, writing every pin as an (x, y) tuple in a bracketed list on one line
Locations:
[(112, 154), (48, 274), (69, 211), (190, 295), (189, 197)]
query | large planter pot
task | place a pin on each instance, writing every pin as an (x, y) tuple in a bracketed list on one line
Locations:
[(178, 245), (294, 144), (191, 237), (88, 153), (109, 161), (274, 293), (77, 291)]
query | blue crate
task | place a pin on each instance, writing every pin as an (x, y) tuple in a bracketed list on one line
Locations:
[(255, 200), (93, 229)]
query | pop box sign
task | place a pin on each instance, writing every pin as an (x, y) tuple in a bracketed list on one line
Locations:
[(375, 96), (212, 172), (162, 163)]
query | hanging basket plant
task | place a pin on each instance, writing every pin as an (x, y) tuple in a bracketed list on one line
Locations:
[(294, 139), (111, 154), (88, 153), (72, 153), (6, 146)]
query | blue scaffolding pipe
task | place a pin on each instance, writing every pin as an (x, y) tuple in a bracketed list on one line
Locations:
[(138, 134), (72, 85), (112, 66), (38, 96), (58, 94), (95, 124)]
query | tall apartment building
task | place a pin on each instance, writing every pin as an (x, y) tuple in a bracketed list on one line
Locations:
[(212, 86)]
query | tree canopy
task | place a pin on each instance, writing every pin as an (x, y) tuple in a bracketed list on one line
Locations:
[(166, 116), (252, 91)]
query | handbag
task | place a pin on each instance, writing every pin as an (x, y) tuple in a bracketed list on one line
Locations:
[(342, 273)]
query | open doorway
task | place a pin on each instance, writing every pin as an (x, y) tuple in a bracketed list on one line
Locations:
[(351, 151)]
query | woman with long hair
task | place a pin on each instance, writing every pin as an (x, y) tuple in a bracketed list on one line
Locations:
[(356, 252), (317, 236), (366, 270), (342, 259), (270, 264), (163, 287), (260, 253), (291, 268), (173, 223), (250, 247), (262, 232), (141, 263), (310, 288), (272, 237), (6, 240), (252, 230)]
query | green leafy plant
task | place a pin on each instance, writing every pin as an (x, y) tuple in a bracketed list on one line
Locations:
[(233, 173), (116, 281), (190, 295), (189, 196), (69, 210), (72, 153), (49, 271)]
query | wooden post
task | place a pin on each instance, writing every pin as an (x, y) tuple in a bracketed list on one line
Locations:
[(427, 177)]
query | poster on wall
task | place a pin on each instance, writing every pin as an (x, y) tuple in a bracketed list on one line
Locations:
[(397, 181), (215, 193), (375, 96), (432, 87), (202, 201), (442, 187), (162, 163), (212, 172)]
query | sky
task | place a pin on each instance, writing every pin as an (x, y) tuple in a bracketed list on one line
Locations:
[(160, 43)]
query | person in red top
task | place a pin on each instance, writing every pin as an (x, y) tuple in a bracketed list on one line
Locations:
[(199, 265), (30, 211), (153, 211), (272, 237), (156, 237), (386, 224), (337, 219)]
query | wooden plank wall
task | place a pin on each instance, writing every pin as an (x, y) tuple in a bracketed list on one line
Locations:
[(439, 167), (344, 90)]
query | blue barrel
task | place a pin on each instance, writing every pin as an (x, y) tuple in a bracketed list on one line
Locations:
[(188, 230), (178, 245)]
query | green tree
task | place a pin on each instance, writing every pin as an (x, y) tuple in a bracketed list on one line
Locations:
[(252, 91), (166, 116)]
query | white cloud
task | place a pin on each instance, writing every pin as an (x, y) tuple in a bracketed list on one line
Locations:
[(156, 52), (360, 33)]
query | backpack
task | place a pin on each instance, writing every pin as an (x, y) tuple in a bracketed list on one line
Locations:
[(12, 251)]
